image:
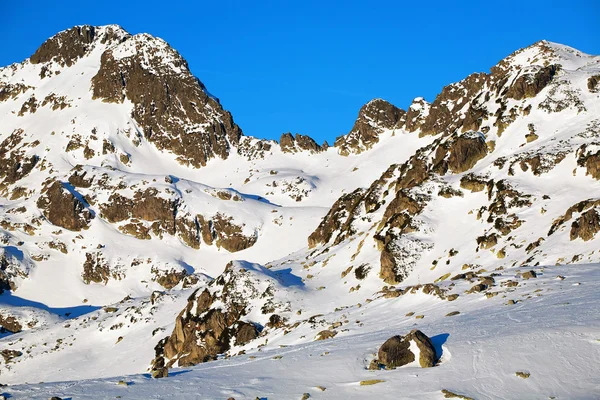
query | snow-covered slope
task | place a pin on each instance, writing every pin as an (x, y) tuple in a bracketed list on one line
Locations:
[(126, 189)]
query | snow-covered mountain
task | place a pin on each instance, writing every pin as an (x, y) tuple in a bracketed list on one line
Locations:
[(126, 189)]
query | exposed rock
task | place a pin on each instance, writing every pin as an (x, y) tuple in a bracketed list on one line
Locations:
[(326, 334), (170, 104), (68, 46), (586, 225), (417, 114), (373, 118), (202, 331), (97, 269), (442, 118), (529, 85), (10, 323), (229, 235), (15, 164), (529, 275), (465, 152), (473, 183), (593, 83), (289, 144), (338, 219), (396, 352), (9, 355), (64, 208)]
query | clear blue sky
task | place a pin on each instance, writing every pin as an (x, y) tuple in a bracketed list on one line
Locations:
[(308, 66)]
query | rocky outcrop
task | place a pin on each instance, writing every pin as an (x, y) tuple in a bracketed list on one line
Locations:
[(398, 351), (214, 319), (171, 105), (442, 117), (15, 162), (338, 220), (593, 83), (68, 46), (291, 144), (586, 224), (10, 323), (466, 151), (64, 208), (529, 85), (96, 269), (373, 119), (228, 235)]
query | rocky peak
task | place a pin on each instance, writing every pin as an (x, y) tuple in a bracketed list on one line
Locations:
[(542, 54), (171, 105), (66, 47), (291, 144), (374, 118)]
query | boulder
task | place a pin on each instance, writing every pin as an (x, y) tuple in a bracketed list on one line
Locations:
[(396, 351)]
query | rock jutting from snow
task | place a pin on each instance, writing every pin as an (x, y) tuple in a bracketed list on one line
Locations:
[(398, 351)]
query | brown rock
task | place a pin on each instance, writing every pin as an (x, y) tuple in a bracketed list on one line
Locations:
[(63, 208), (245, 333), (373, 118), (10, 323), (529, 85), (170, 104), (465, 152), (586, 226), (529, 275), (326, 334), (395, 352), (289, 144)]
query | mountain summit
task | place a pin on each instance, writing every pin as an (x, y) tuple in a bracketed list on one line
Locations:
[(141, 231)]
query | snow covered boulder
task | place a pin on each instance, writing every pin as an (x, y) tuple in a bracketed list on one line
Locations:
[(403, 350)]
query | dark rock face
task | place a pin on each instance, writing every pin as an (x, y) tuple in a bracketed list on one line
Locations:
[(170, 104), (338, 219), (441, 118), (203, 332), (68, 46), (593, 83), (63, 208), (589, 160), (465, 152), (586, 226), (14, 163), (529, 85), (373, 118), (291, 144), (395, 352)]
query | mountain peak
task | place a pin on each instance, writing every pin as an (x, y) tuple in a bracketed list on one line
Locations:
[(67, 46), (543, 53)]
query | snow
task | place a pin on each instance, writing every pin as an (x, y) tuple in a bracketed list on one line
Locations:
[(556, 330)]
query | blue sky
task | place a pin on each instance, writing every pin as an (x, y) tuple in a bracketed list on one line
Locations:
[(308, 66)]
